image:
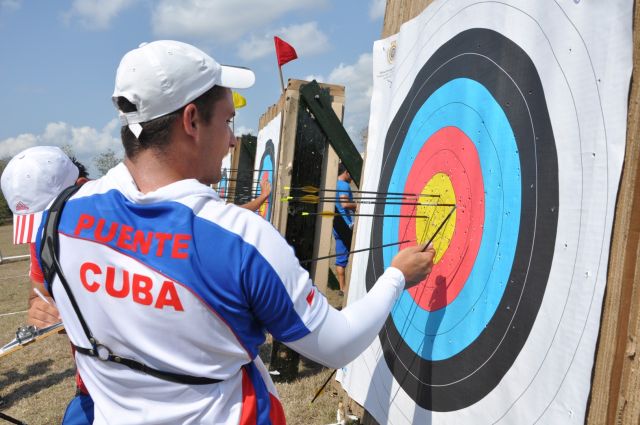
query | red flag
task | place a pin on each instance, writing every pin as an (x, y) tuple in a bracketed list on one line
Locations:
[(284, 51)]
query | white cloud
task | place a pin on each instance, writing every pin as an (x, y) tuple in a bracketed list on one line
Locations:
[(377, 8), (85, 142), (96, 14), (358, 82), (242, 130), (10, 4), (312, 77), (220, 20), (256, 48), (307, 39)]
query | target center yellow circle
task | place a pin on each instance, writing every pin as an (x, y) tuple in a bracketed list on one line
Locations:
[(431, 215)]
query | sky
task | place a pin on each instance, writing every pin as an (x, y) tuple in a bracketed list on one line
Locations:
[(59, 59)]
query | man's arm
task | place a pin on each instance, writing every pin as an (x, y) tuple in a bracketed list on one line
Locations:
[(42, 310), (265, 191), (346, 203), (344, 334)]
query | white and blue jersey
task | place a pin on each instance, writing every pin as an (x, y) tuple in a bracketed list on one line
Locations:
[(184, 283)]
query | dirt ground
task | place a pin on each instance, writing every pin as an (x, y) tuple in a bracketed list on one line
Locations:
[(37, 382)]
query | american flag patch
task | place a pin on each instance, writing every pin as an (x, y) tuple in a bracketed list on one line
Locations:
[(25, 227)]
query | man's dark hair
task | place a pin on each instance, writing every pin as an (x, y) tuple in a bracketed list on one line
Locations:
[(341, 168), (82, 170), (155, 133)]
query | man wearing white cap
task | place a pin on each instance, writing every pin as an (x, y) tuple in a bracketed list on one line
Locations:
[(30, 182), (174, 290)]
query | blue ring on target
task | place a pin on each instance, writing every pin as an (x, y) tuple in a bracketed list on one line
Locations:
[(266, 165), (469, 106)]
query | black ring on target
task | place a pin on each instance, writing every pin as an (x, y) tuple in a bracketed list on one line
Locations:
[(510, 76)]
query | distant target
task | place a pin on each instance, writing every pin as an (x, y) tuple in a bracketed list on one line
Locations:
[(224, 182), (265, 173)]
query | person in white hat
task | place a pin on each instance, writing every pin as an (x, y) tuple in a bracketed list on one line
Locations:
[(172, 290), (30, 182)]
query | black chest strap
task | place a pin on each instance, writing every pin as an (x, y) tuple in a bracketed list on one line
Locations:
[(49, 254)]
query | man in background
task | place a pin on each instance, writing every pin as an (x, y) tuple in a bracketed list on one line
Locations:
[(30, 182), (342, 230)]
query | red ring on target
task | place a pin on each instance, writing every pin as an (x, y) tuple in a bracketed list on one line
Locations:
[(451, 152)]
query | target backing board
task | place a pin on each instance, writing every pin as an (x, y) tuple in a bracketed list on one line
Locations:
[(266, 162), (514, 112)]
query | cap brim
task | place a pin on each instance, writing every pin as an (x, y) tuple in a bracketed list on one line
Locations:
[(236, 77), (25, 227)]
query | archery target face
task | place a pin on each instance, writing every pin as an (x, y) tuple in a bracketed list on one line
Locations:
[(464, 134), (265, 173), (491, 110)]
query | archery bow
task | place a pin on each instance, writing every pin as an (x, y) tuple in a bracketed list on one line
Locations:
[(25, 335)]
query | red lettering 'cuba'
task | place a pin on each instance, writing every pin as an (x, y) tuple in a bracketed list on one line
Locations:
[(121, 284), (91, 287)]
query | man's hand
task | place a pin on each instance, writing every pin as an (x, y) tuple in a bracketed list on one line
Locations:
[(41, 314), (414, 264), (265, 188)]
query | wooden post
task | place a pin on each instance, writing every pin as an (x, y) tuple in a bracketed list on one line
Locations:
[(281, 79), (301, 143), (615, 390)]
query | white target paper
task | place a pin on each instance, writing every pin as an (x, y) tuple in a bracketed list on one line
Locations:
[(223, 185), (580, 54), (266, 161)]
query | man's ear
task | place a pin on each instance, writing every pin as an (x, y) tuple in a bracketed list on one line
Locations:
[(190, 119)]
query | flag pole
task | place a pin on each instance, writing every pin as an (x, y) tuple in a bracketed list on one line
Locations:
[(281, 79)]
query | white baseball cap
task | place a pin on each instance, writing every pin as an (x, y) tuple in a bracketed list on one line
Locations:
[(30, 181), (163, 76)]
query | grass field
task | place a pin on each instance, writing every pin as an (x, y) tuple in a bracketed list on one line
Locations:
[(37, 382)]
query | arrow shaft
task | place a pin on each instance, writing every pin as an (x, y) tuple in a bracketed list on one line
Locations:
[(355, 251), (316, 201), (313, 189), (334, 214), (439, 228)]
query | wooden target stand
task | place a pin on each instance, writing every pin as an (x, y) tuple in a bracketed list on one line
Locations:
[(305, 157)]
